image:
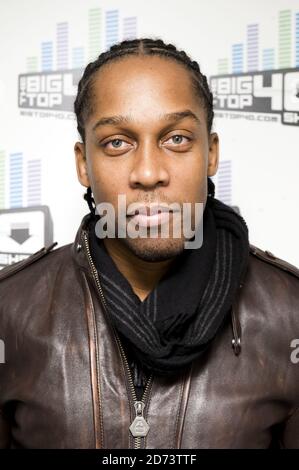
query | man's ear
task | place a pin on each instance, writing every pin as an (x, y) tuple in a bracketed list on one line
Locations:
[(81, 164), (213, 154)]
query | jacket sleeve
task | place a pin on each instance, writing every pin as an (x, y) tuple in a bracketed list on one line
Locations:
[(290, 433), (5, 434), (4, 431)]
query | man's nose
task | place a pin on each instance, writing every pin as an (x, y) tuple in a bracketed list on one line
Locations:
[(149, 167)]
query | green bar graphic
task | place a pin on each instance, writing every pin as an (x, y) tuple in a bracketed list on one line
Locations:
[(284, 39), (2, 179), (222, 66), (94, 33), (31, 64)]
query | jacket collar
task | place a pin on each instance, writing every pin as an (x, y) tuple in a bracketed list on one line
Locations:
[(80, 246)]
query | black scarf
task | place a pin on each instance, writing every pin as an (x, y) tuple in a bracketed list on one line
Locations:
[(177, 321)]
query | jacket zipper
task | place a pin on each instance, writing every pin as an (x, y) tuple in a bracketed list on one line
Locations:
[(138, 405)]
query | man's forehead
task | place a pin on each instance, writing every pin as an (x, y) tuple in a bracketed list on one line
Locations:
[(134, 76)]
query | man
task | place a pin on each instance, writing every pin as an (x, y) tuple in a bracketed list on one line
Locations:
[(148, 342)]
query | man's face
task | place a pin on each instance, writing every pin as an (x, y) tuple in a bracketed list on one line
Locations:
[(147, 156)]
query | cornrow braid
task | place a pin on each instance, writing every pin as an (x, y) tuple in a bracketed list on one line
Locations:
[(211, 188), (145, 47), (90, 200)]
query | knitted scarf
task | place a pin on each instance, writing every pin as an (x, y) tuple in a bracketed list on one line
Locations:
[(178, 320)]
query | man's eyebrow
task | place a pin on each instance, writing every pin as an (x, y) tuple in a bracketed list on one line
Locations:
[(118, 119), (179, 115)]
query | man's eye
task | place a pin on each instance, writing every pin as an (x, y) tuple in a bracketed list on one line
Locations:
[(178, 139), (117, 143)]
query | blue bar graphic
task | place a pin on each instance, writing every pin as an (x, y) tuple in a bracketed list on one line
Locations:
[(111, 27), (237, 58), (297, 40), (33, 182), (16, 179), (224, 182), (268, 59), (130, 27), (62, 37), (47, 55), (252, 47), (78, 57)]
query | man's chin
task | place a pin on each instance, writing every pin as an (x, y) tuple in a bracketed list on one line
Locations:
[(154, 250)]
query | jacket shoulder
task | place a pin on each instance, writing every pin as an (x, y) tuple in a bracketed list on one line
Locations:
[(273, 260), (12, 269)]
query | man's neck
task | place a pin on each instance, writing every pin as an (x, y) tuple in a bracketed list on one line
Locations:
[(141, 275)]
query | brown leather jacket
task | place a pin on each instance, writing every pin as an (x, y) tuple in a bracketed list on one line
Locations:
[(65, 382)]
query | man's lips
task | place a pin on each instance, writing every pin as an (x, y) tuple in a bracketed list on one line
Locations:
[(150, 215), (148, 210)]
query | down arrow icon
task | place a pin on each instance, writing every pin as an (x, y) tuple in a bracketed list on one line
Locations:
[(20, 235)]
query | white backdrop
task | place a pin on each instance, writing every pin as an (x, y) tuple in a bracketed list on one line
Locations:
[(259, 159)]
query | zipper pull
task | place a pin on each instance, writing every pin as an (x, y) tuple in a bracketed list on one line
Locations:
[(139, 427)]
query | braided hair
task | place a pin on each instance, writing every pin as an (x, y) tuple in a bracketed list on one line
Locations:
[(142, 47)]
